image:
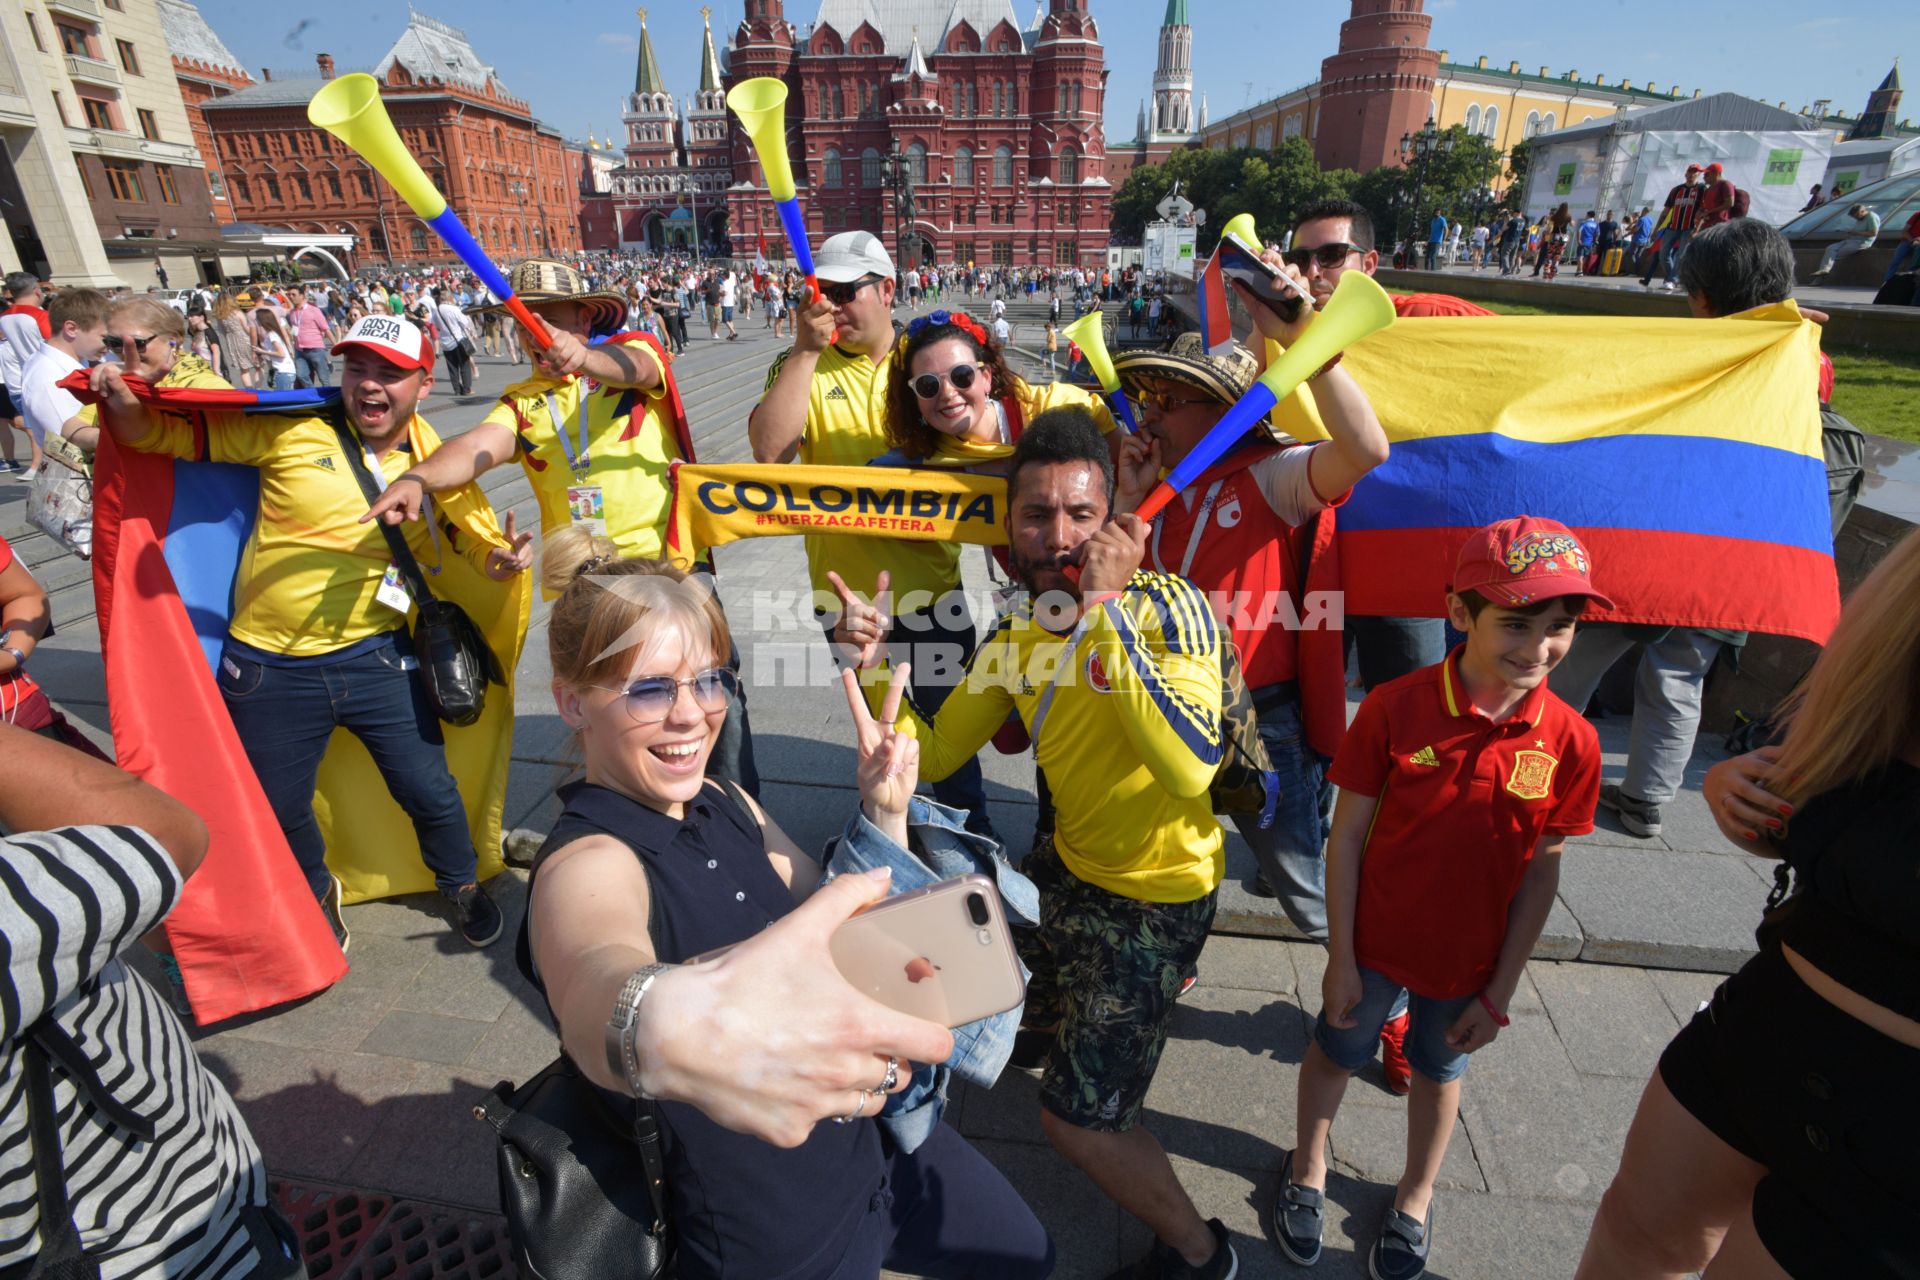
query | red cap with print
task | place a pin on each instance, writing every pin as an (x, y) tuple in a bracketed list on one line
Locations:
[(1525, 560), (393, 338)]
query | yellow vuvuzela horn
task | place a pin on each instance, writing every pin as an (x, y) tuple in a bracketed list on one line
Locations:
[(1241, 224), (1089, 333), (761, 104), (1357, 308)]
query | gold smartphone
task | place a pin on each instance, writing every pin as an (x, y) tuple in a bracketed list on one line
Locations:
[(944, 953)]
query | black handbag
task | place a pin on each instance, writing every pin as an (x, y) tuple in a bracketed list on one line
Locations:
[(456, 665), (575, 1209)]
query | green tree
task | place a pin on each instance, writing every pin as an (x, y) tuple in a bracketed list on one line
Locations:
[(1271, 185)]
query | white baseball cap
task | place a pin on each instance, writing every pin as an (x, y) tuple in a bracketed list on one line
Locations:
[(393, 338), (853, 255)]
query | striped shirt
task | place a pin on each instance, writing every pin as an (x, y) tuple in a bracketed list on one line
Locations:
[(70, 902)]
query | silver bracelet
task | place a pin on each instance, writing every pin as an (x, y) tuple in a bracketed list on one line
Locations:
[(623, 1052)]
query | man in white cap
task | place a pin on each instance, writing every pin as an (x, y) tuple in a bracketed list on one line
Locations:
[(825, 404), (318, 639)]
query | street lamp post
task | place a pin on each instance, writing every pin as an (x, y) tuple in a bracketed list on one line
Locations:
[(899, 179), (1422, 147), (518, 190), (690, 184)]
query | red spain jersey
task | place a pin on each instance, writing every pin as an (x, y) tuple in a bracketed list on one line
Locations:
[(1463, 802), (1415, 305)]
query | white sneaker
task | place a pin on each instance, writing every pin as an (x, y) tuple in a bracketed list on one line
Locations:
[(30, 473), (1668, 286)]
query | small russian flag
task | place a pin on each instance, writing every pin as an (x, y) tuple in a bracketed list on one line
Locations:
[(1210, 291)]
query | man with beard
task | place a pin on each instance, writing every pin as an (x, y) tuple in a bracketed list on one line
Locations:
[(318, 638), (1118, 679)]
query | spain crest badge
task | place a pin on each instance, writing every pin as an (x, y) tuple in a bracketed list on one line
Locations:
[(1532, 775)]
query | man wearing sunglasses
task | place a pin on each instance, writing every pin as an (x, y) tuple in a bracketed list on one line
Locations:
[(78, 319)]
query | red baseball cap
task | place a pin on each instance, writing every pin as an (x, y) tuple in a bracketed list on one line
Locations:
[(1525, 560), (394, 339), (1714, 168), (1693, 168)]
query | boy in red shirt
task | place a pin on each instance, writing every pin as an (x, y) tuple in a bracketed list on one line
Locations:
[(1459, 784)]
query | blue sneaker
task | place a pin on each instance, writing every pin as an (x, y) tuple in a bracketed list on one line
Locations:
[(1400, 1252), (1299, 1217)]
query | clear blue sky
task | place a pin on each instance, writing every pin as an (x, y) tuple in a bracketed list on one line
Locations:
[(574, 59)]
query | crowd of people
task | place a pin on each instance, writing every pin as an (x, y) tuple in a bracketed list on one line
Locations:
[(1421, 845)]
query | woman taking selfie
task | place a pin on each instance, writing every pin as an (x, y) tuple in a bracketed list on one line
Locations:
[(1777, 1137), (649, 864)]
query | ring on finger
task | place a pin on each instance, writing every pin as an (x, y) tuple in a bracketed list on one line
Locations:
[(859, 1105), (892, 1078)]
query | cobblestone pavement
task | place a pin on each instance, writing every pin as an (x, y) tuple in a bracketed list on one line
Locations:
[(369, 1086)]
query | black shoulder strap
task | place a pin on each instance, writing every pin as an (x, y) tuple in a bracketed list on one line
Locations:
[(61, 1256), (402, 553)]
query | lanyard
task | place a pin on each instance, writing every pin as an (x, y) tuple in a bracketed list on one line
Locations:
[(580, 463), (426, 511), (1193, 540)]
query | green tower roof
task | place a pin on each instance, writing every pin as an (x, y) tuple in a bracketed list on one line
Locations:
[(1176, 14), (646, 76)]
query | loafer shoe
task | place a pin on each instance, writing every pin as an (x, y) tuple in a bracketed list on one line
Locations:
[(1400, 1251), (1299, 1217)]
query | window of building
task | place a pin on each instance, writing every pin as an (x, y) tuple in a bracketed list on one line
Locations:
[(1003, 253), (1491, 124), (149, 127), (273, 189), (1064, 252), (417, 238), (1069, 214), (33, 29), (963, 166), (1003, 166), (1070, 167), (1473, 118), (305, 187), (163, 178), (830, 168), (963, 215), (917, 164), (60, 105), (240, 191), (1074, 99), (115, 6), (333, 187), (870, 168), (1546, 124), (1533, 123), (1292, 128), (73, 41), (123, 182), (99, 114), (1263, 136), (129, 60), (366, 186), (86, 183)]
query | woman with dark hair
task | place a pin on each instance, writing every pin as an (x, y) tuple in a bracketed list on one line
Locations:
[(1553, 240), (952, 401), (1777, 1137)]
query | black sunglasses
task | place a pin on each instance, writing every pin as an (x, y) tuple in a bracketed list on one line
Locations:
[(651, 700), (962, 376), (139, 344), (1328, 256), (841, 294)]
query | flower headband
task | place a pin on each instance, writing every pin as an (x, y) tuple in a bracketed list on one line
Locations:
[(958, 319)]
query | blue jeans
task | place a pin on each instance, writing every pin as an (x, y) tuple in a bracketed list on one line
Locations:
[(313, 365), (1381, 998), (282, 380), (1669, 257), (1389, 648), (1901, 253), (284, 716), (1290, 851)]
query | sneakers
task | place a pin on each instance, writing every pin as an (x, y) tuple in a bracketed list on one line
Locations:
[(1668, 286), (330, 905), (1636, 815), (480, 921), (176, 987), (1030, 1049), (1163, 1263), (28, 473), (1260, 888), (1187, 984), (1299, 1217), (1393, 1055), (1400, 1252)]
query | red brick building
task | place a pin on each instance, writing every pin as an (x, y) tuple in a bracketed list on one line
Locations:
[(1378, 86), (997, 120), (504, 172), (205, 69)]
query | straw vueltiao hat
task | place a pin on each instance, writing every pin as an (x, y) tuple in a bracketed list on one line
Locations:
[(539, 280)]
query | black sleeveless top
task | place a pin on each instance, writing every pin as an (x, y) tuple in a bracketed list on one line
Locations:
[(1856, 853), (742, 1207)]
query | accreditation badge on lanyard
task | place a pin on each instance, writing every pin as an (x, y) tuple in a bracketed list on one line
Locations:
[(392, 591), (586, 503)]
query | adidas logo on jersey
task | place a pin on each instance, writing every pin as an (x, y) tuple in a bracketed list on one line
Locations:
[(837, 393), (324, 462), (1425, 756)]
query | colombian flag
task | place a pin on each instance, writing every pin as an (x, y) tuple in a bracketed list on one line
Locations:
[(1686, 453), (168, 537)]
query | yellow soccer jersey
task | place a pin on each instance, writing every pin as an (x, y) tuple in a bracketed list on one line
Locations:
[(310, 570), (630, 444), (1129, 736), (846, 427)]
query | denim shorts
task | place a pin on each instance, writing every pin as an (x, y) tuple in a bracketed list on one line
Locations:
[(1427, 1049)]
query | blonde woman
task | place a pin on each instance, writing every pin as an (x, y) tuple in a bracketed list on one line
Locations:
[(1778, 1136), (239, 364), (652, 863)]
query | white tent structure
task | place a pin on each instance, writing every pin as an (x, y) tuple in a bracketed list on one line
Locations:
[(1633, 159), (1867, 161)]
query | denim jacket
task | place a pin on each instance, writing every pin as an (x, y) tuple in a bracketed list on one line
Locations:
[(942, 848)]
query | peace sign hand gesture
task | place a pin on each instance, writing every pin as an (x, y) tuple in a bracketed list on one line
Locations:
[(889, 766), (861, 633)]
